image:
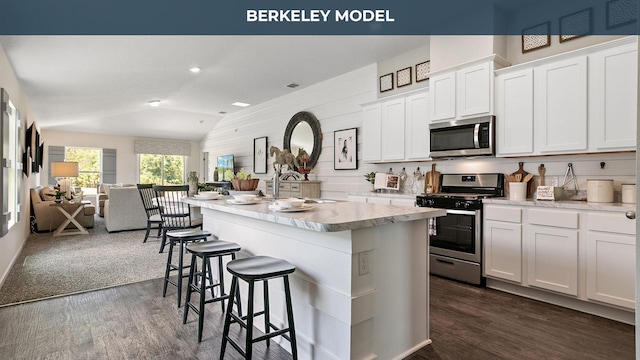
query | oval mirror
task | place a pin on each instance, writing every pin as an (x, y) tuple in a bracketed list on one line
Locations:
[(303, 132)]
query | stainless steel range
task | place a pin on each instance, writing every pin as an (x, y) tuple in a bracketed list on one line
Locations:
[(456, 239)]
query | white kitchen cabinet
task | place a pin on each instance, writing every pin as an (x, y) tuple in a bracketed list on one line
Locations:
[(372, 133), (611, 264), (396, 129), (442, 97), (417, 127), (464, 93), (613, 101), (502, 237), (393, 134), (514, 113), (552, 247), (560, 98)]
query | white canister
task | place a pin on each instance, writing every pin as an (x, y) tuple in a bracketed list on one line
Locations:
[(517, 190), (629, 193), (600, 190)]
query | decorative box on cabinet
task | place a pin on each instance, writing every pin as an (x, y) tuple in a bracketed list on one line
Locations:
[(302, 189), (502, 236), (396, 128), (611, 259)]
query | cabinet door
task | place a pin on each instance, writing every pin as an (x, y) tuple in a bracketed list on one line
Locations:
[(372, 133), (560, 96), (417, 122), (393, 130), (611, 268), (613, 98), (475, 94), (309, 190), (442, 97), (514, 113), (503, 250), (553, 258)]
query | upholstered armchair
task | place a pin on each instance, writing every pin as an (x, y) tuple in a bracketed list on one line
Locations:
[(48, 218)]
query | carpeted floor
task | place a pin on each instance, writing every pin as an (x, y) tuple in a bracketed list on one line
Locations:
[(49, 266)]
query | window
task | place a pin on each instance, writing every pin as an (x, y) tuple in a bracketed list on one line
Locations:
[(13, 173), (89, 167), (161, 169)]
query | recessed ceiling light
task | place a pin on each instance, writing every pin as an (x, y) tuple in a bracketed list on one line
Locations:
[(292, 85), (241, 104), (195, 69), (154, 103)]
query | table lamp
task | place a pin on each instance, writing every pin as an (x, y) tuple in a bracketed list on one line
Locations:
[(63, 171)]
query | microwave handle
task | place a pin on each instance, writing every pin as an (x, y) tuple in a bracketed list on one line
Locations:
[(476, 136)]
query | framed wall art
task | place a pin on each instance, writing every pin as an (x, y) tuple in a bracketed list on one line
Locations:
[(345, 155), (260, 155), (536, 37), (575, 25), (404, 77), (386, 82), (621, 12), (422, 71)]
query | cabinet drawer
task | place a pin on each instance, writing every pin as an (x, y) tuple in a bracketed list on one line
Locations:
[(611, 222), (295, 187), (503, 213), (285, 187), (557, 218)]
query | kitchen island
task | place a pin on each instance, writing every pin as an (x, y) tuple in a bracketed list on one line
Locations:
[(360, 290)]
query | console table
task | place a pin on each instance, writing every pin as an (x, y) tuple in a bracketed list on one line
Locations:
[(71, 219), (303, 189)]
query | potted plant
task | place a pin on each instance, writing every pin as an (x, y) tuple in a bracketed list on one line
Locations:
[(371, 177), (59, 196)]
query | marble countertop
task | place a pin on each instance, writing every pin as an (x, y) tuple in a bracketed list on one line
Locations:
[(563, 204), (326, 217)]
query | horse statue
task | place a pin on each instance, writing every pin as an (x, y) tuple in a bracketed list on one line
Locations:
[(302, 154), (283, 157)]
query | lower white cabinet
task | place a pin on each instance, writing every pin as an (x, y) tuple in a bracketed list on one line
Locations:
[(611, 261), (502, 234)]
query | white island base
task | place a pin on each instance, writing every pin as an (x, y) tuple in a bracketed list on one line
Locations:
[(342, 311)]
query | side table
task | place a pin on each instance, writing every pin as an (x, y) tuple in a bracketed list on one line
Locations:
[(71, 219)]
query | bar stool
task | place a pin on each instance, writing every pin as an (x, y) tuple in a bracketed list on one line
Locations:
[(207, 250), (258, 268), (180, 237)]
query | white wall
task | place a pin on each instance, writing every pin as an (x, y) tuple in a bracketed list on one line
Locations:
[(402, 61), (11, 244), (336, 104), (450, 50), (126, 159)]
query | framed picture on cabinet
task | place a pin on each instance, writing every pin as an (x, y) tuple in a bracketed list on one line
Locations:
[(386, 82), (404, 77), (260, 155), (621, 12), (345, 156), (536, 37), (575, 25), (422, 71)]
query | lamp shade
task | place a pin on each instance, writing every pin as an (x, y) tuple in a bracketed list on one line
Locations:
[(64, 169)]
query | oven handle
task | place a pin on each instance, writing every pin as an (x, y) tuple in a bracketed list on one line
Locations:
[(463, 212)]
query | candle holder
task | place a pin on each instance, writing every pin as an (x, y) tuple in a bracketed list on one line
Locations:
[(304, 169)]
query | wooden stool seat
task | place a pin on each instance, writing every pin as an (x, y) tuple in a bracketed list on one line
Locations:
[(258, 268)]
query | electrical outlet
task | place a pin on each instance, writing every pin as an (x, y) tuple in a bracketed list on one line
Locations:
[(363, 263), (554, 181)]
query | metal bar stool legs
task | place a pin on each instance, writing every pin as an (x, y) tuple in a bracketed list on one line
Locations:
[(205, 251), (258, 268)]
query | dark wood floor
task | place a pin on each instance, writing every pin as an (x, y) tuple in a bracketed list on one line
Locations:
[(135, 322)]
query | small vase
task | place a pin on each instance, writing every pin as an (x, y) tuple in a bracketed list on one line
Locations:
[(58, 201)]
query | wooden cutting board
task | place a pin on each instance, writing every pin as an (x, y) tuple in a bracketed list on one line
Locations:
[(432, 178)]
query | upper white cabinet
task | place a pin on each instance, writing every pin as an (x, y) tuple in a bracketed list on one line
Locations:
[(397, 129), (560, 98), (514, 111), (613, 89), (464, 93), (581, 101)]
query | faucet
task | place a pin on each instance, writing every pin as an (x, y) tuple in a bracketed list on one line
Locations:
[(276, 185)]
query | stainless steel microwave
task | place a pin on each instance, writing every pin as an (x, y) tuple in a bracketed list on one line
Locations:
[(469, 137)]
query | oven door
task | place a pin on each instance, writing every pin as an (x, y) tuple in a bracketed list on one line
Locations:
[(458, 235)]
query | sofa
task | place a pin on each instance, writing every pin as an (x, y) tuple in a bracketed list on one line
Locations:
[(102, 191), (123, 210), (48, 218)]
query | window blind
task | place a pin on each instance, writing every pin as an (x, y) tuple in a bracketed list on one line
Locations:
[(161, 147)]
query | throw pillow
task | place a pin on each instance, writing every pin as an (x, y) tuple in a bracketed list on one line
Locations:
[(48, 194)]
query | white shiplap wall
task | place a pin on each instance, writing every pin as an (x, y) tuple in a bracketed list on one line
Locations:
[(336, 104)]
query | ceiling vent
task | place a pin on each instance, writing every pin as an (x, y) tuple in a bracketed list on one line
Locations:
[(222, 112), (292, 85)]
